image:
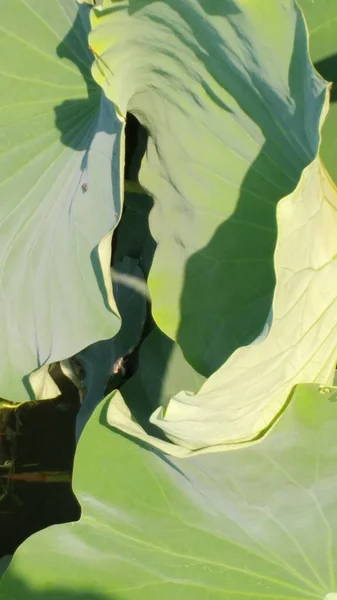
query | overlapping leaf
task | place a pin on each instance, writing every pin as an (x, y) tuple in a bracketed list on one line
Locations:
[(259, 522), (60, 197), (242, 397), (200, 72), (232, 108)]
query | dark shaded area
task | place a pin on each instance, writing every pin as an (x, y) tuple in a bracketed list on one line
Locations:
[(135, 147), (131, 139), (132, 233), (16, 589), (235, 318), (327, 67), (132, 237), (37, 437)]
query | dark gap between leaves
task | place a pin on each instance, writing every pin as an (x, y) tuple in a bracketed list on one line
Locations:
[(37, 437)]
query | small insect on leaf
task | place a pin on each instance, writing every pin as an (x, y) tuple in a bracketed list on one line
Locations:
[(84, 187), (119, 366)]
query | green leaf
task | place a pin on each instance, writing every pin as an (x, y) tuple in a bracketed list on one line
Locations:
[(246, 394), (59, 183), (203, 100), (322, 24), (259, 522), (232, 108)]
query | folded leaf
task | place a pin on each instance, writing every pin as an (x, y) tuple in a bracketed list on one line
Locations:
[(132, 255), (232, 108), (243, 397), (205, 88)]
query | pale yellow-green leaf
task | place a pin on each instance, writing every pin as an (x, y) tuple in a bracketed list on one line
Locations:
[(244, 396)]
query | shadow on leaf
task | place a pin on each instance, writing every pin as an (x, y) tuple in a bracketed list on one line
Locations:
[(16, 589), (72, 117)]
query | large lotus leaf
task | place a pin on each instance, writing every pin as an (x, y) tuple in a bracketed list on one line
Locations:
[(258, 522), (321, 18), (232, 108), (243, 397), (59, 183)]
